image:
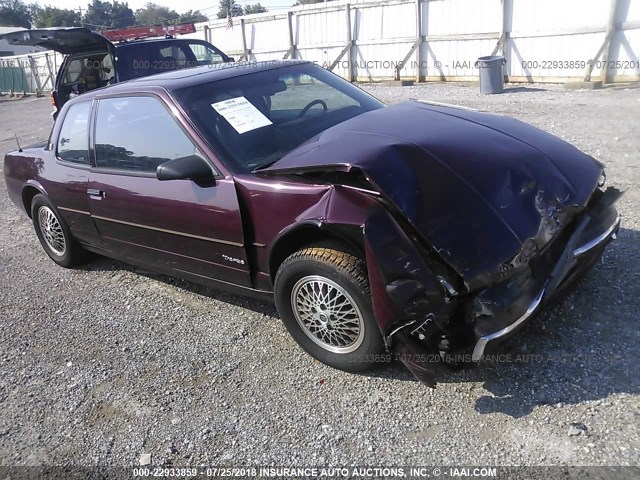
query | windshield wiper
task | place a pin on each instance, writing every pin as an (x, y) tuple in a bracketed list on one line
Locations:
[(266, 164)]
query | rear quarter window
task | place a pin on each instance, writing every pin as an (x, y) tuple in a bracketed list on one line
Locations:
[(73, 141)]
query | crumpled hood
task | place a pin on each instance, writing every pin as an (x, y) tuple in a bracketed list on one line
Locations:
[(475, 186)]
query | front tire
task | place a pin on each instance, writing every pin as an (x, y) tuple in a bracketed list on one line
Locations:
[(323, 297), (54, 233)]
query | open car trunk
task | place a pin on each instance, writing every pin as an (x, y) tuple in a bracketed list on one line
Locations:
[(89, 62), (61, 39)]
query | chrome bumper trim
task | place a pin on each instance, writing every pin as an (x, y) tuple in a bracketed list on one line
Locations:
[(478, 351), (598, 240), (482, 342)]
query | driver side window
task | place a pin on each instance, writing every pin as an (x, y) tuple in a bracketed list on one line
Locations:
[(138, 134)]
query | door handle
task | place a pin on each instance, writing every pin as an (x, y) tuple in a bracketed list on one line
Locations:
[(94, 192)]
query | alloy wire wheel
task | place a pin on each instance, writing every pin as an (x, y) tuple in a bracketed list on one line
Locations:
[(54, 234), (327, 314), (323, 297), (52, 230)]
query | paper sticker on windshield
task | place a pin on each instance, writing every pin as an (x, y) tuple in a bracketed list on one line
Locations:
[(241, 114)]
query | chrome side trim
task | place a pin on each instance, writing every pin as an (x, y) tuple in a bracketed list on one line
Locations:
[(165, 252), (73, 210), (358, 189), (163, 230), (222, 281), (598, 240), (478, 351)]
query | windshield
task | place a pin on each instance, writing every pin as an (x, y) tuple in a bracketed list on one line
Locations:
[(253, 120)]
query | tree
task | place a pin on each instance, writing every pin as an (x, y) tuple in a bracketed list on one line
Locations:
[(192, 16), (104, 15), (257, 8), (48, 16), (122, 16), (226, 5), (154, 14), (15, 13), (97, 16)]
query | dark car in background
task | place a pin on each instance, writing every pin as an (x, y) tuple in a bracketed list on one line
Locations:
[(412, 231), (93, 60)]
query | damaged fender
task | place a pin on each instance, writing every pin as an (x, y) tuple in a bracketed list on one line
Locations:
[(407, 298)]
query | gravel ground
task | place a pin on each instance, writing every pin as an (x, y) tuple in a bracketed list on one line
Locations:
[(106, 363)]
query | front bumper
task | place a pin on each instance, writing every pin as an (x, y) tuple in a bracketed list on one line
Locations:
[(572, 262)]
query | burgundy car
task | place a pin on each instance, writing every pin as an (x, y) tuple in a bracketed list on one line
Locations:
[(413, 231)]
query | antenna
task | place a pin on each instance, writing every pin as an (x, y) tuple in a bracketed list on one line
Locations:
[(18, 142)]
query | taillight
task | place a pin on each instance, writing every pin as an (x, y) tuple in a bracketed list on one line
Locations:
[(53, 100)]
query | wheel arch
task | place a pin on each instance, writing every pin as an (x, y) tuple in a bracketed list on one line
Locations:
[(308, 232), (30, 190)]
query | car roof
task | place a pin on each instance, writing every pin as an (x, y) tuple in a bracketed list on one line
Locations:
[(119, 45), (177, 79)]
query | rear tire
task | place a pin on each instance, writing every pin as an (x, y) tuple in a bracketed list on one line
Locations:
[(323, 297), (54, 233)]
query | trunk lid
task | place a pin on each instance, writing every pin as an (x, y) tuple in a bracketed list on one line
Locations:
[(66, 40)]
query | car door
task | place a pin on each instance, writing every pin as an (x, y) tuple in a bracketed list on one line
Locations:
[(67, 183), (176, 225)]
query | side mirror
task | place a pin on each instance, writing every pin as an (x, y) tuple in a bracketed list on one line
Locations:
[(192, 167), (232, 59)]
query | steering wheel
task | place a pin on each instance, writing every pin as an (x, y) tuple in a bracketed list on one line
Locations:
[(311, 104)]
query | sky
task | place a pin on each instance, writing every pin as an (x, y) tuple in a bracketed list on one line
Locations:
[(207, 7)]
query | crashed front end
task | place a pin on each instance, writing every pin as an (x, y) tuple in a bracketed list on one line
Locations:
[(480, 221), (498, 311), (424, 316)]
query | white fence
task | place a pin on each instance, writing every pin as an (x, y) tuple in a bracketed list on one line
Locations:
[(426, 40), (32, 73), (542, 40)]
